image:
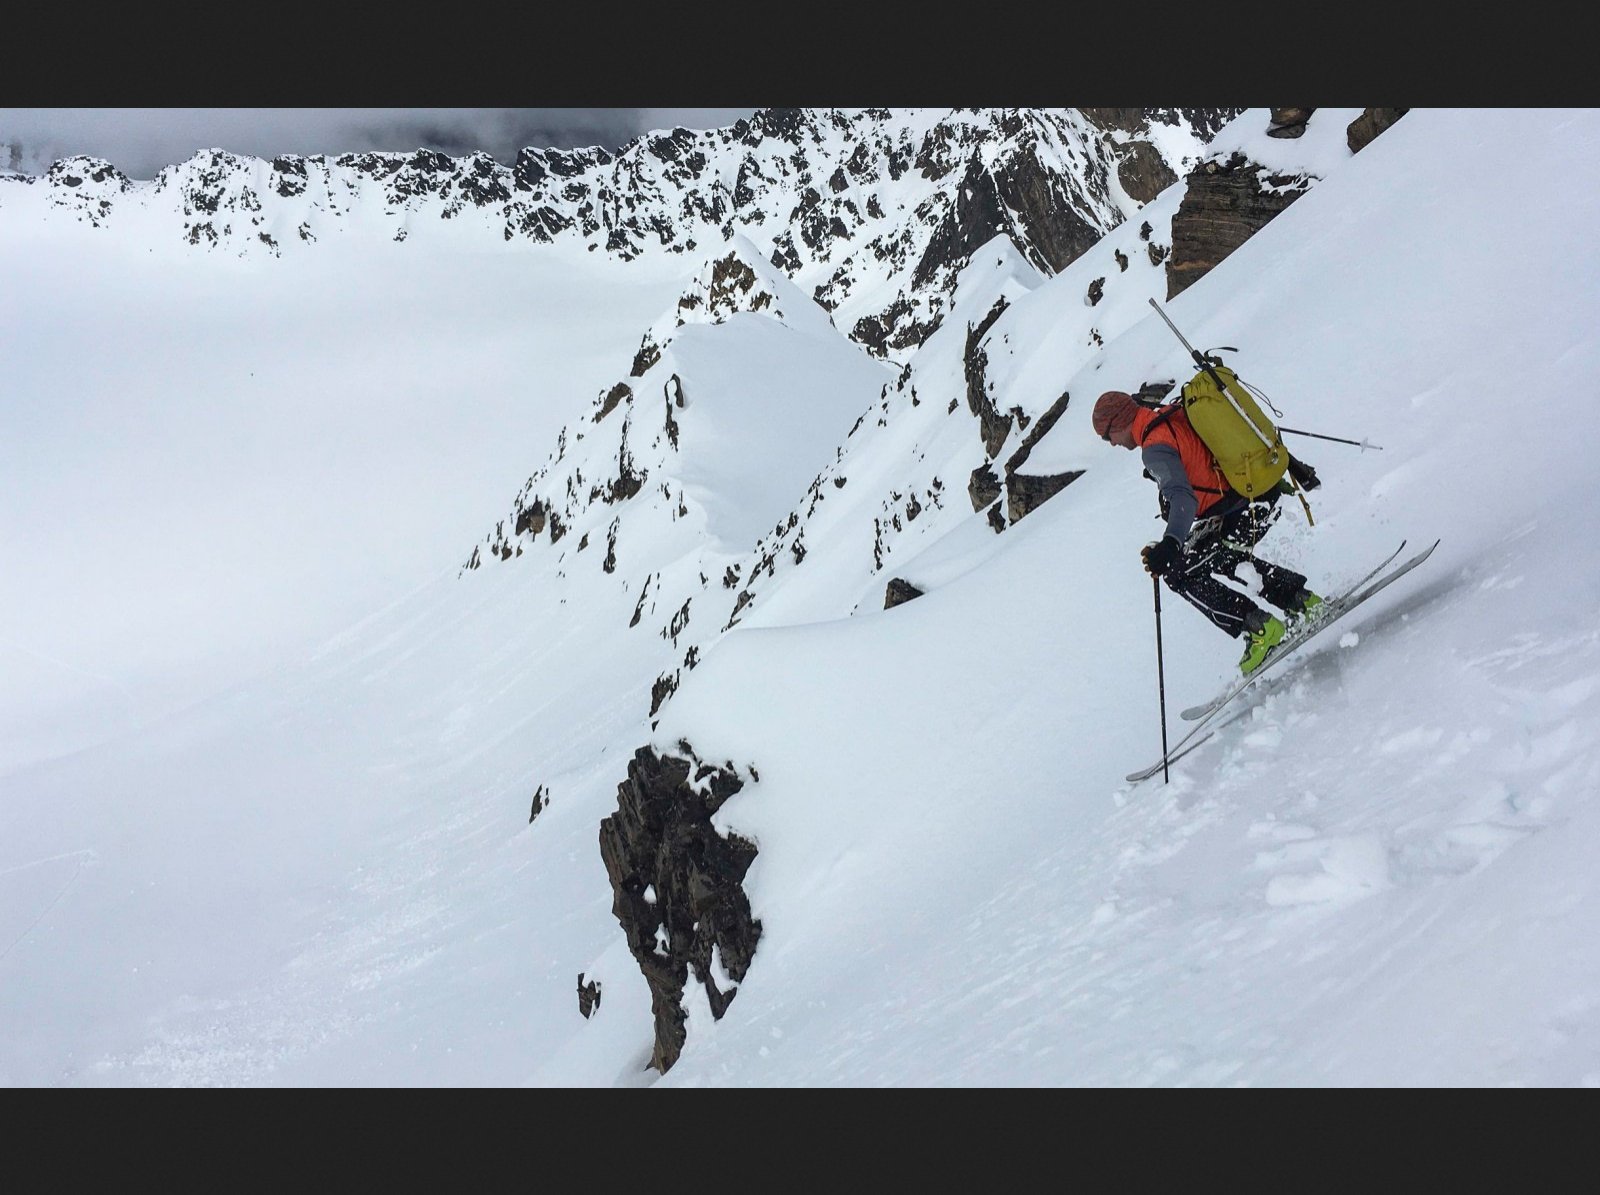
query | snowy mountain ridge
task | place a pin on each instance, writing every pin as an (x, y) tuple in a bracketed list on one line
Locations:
[(870, 210)]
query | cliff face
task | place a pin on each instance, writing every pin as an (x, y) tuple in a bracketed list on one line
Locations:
[(1228, 201), (1225, 204)]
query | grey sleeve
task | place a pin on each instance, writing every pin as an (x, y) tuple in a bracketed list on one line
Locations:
[(1166, 466)]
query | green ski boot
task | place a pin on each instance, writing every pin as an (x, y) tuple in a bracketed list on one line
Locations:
[(1259, 642), (1306, 605)]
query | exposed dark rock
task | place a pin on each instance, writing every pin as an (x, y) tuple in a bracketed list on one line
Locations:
[(1143, 172), (1288, 122), (677, 886), (732, 281), (1204, 121), (672, 391), (894, 327), (983, 487), (899, 592), (610, 563), (665, 686), (1369, 124), (739, 603), (644, 596), (540, 804), (679, 622), (611, 398), (531, 519), (649, 353), (1025, 492), (588, 996), (993, 426), (627, 483), (1225, 205), (1020, 198), (1123, 120)]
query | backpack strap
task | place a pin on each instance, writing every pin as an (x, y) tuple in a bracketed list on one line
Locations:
[(1171, 410)]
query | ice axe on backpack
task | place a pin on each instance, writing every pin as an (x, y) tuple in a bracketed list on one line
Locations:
[(1200, 359)]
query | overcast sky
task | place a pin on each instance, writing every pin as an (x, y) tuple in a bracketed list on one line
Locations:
[(140, 141)]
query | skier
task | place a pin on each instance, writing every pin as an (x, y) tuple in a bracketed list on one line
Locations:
[(1211, 529)]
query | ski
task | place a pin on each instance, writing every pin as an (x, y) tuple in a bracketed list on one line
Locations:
[(1350, 600), (1170, 759), (1331, 609)]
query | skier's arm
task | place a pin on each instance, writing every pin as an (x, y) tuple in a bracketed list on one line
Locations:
[(1166, 466)]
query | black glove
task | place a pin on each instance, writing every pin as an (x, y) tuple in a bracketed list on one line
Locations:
[(1304, 475), (1160, 556)]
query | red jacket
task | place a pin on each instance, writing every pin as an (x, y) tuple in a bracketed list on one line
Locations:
[(1210, 486)]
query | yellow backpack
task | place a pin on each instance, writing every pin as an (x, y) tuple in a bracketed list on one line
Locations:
[(1245, 443), (1247, 447)]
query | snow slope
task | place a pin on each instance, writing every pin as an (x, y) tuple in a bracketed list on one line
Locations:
[(1372, 876), (1377, 874)]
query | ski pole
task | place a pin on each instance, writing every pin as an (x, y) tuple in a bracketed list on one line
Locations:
[(1361, 444), (1161, 685)]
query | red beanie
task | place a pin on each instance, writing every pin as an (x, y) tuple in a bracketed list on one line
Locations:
[(1113, 412)]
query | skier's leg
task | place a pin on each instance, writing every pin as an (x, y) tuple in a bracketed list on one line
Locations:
[(1193, 577), (1281, 587)]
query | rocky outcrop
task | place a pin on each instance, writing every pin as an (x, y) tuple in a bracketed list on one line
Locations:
[(1372, 121), (1031, 203), (983, 487), (1225, 204), (1288, 122), (1143, 172), (898, 593), (994, 426), (588, 997), (1026, 492), (677, 886)]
